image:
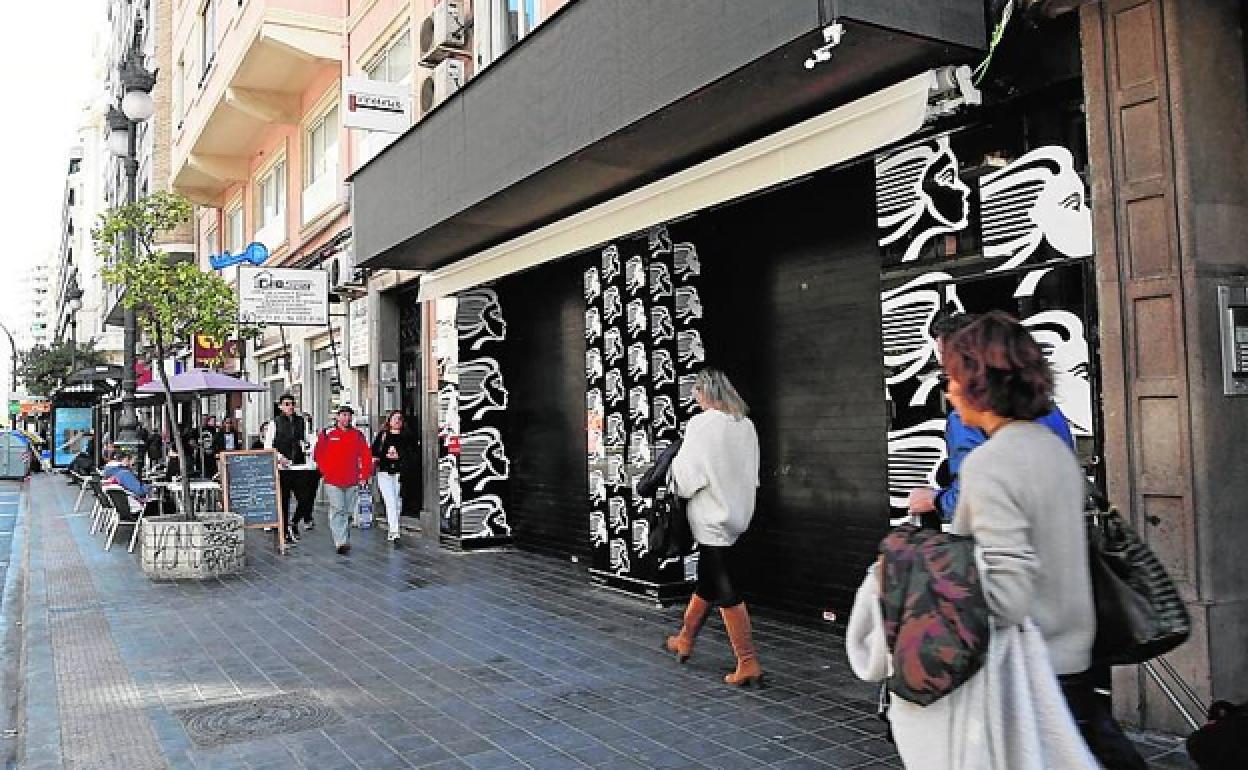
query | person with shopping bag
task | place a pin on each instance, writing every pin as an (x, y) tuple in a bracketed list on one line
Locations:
[(345, 460), (716, 470), (396, 451)]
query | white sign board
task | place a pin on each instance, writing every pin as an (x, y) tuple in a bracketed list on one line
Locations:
[(376, 105), (283, 296), (357, 334)]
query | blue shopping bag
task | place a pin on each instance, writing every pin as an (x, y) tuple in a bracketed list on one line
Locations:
[(364, 508)]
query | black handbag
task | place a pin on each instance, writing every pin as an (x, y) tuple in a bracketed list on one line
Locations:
[(1139, 614), (670, 536)]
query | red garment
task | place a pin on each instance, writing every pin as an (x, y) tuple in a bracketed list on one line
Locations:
[(343, 456)]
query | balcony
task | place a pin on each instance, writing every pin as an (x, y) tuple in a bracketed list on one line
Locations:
[(256, 80)]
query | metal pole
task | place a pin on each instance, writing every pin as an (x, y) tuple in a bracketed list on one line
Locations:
[(127, 425)]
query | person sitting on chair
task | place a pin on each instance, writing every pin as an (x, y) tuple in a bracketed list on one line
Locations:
[(120, 472)]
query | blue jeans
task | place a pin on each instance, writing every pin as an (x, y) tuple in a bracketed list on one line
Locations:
[(342, 502)]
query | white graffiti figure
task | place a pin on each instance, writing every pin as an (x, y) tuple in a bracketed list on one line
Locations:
[(593, 365), (641, 537), (616, 475), (638, 361), (593, 286), (664, 415), (613, 346), (612, 306), (616, 435), (619, 557), (659, 241), (688, 305), (482, 457), (481, 387), (479, 317), (686, 393), (615, 388), (906, 321), (661, 327), (686, 262), (660, 281), (1036, 198), (638, 404), (617, 514), (610, 264), (597, 487), (484, 517), (449, 490), (914, 454), (634, 275), (662, 367), (593, 325), (638, 447), (636, 318), (919, 195), (598, 535), (689, 347), (1060, 335), (448, 410)]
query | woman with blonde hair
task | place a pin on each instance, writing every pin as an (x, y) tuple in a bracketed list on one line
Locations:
[(716, 469)]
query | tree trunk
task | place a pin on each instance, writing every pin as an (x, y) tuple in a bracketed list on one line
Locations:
[(187, 502)]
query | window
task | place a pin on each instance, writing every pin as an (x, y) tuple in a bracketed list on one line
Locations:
[(271, 195), (208, 35), (321, 149), (394, 64), (501, 24), (234, 235)]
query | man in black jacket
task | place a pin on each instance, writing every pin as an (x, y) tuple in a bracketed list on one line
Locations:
[(288, 434)]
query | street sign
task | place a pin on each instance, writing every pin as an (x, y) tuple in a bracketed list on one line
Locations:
[(283, 296)]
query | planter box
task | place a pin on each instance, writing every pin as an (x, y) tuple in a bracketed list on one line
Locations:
[(209, 547)]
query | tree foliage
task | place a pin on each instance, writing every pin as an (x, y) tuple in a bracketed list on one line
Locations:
[(44, 368)]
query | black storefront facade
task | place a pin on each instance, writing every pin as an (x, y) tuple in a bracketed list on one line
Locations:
[(803, 246)]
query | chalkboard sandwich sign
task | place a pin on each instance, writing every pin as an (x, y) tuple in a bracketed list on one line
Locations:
[(252, 489)]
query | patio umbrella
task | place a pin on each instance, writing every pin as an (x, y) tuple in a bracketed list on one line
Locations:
[(201, 382)]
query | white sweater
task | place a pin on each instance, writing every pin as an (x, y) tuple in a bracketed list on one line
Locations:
[(717, 470)]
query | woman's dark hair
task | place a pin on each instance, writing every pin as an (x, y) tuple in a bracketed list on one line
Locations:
[(1000, 367), (389, 415)]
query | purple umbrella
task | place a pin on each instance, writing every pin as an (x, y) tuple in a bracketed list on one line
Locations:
[(204, 382)]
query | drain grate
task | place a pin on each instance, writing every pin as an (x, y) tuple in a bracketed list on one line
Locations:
[(236, 721)]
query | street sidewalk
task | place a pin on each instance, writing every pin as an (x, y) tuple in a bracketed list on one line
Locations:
[(403, 657)]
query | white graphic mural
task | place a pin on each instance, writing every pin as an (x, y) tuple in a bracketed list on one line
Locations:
[(920, 196), (907, 313), (1037, 198), (481, 387)]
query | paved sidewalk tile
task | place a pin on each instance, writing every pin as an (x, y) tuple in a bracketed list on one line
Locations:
[(417, 657)]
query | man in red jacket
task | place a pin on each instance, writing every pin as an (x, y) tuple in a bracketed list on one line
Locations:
[(345, 461)]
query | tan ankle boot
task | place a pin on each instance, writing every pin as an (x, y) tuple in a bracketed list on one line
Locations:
[(695, 615), (737, 621)]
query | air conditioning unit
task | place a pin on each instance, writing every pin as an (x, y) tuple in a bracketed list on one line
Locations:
[(442, 32), (442, 81), (344, 277)]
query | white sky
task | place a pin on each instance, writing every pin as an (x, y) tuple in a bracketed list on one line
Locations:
[(46, 77)]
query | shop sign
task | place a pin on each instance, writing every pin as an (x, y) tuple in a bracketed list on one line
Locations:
[(357, 334), (283, 296), (208, 352), (376, 105)]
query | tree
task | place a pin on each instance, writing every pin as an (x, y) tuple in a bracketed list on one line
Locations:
[(172, 300), (46, 368)]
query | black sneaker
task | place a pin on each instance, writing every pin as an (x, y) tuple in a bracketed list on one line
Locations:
[(311, 525), (344, 549), (292, 536)]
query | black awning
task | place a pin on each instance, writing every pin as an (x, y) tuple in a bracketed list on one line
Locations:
[(606, 97)]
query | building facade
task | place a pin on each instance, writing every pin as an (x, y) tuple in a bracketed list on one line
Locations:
[(590, 236)]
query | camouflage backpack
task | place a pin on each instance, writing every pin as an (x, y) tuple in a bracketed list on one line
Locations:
[(935, 617)]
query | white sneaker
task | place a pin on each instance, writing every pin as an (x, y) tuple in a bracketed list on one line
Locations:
[(392, 535)]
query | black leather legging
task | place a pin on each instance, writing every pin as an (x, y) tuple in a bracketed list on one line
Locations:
[(717, 575)]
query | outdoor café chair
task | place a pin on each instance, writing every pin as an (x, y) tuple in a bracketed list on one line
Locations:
[(82, 487), (99, 513), (122, 513)]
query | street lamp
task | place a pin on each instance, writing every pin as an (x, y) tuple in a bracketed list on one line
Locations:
[(136, 107), (12, 363), (73, 303)]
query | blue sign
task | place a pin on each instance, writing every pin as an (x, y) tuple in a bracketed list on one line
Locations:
[(256, 253), (71, 424)]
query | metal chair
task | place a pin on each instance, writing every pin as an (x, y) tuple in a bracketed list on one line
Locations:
[(82, 487), (102, 508), (119, 501)]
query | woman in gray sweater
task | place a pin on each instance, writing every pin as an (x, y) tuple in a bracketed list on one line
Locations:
[(1022, 500), (717, 470)]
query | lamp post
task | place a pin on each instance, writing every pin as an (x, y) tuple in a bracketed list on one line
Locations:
[(136, 107), (12, 367), (73, 303)]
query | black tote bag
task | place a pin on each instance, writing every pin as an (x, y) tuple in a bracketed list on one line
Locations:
[(1139, 614)]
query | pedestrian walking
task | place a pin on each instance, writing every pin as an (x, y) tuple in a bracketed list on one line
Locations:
[(395, 449), (288, 434), (716, 469), (345, 460)]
